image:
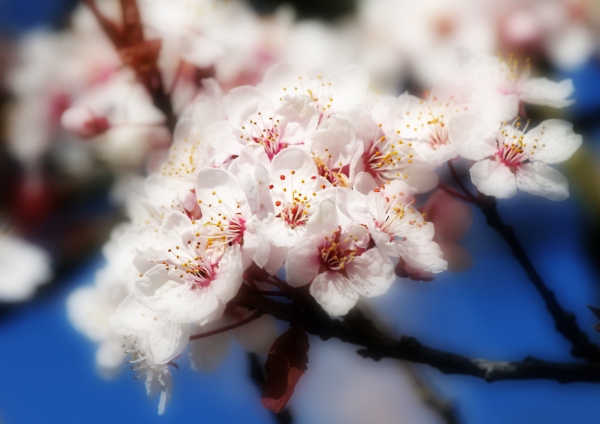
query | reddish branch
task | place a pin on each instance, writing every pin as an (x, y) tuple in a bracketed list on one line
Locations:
[(137, 53)]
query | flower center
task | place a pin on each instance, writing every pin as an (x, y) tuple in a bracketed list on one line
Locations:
[(336, 251)]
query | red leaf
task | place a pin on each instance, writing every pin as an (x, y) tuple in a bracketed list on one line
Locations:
[(285, 365)]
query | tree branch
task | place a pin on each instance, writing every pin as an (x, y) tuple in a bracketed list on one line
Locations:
[(139, 54), (356, 329), (566, 323)]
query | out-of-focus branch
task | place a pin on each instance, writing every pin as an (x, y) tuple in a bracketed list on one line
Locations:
[(444, 408), (566, 323), (137, 53), (356, 329)]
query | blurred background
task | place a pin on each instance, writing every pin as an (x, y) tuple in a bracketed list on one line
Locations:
[(64, 195)]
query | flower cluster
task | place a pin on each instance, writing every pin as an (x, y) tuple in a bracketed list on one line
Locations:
[(307, 179)]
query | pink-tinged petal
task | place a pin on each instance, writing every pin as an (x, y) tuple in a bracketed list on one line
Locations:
[(229, 274), (451, 217), (277, 256), (473, 137), (494, 179), (167, 340), (174, 233), (364, 183), (421, 176), (539, 179), (296, 159), (276, 78), (222, 139), (398, 191), (325, 220), (303, 262), (542, 91), (334, 293), (554, 141), (257, 336), (371, 273), (242, 102), (222, 190), (208, 353), (458, 258), (177, 301), (351, 88)]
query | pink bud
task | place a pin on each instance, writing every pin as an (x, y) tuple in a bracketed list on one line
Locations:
[(82, 122)]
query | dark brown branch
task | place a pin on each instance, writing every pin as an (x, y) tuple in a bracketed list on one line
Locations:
[(566, 323), (356, 329)]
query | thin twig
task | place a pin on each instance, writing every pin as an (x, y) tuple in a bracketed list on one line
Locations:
[(458, 180), (455, 193), (244, 321), (566, 323)]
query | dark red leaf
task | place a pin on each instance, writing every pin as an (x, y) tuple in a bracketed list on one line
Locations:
[(285, 365)]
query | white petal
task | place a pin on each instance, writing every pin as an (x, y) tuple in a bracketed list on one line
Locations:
[(555, 141), (302, 262), (542, 91), (494, 179), (227, 189), (325, 220), (206, 354), (537, 178), (242, 102), (334, 293), (473, 137), (229, 274), (372, 273), (167, 340)]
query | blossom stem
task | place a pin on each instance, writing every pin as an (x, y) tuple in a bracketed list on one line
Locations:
[(454, 193), (566, 323), (472, 198), (244, 321)]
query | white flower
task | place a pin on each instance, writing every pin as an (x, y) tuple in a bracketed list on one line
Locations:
[(399, 230), (387, 154), (227, 216), (334, 257), (509, 157), (330, 94), (294, 187), (23, 267), (153, 343), (500, 86), (89, 308), (198, 277)]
